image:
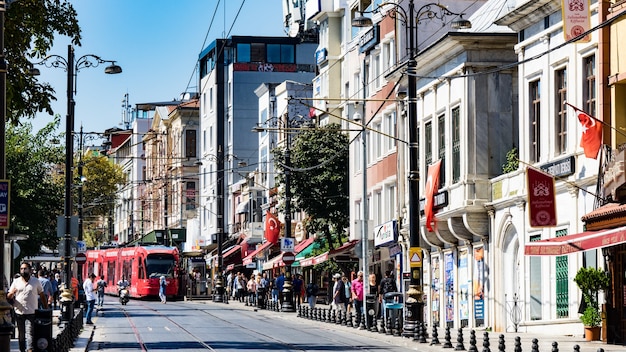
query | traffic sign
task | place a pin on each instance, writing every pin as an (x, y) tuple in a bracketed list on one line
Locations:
[(81, 258), (289, 258), (415, 257)]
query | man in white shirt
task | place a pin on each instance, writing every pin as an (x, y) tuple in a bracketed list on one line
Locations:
[(25, 292), (90, 296)]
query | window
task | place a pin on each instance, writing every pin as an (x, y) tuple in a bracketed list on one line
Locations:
[(376, 76), (389, 58), (589, 85), (281, 53), (390, 130), (534, 120), (562, 282), (243, 52), (456, 144), (190, 144), (560, 110), (441, 124), (390, 194), (428, 141), (536, 301), (377, 141), (190, 195)]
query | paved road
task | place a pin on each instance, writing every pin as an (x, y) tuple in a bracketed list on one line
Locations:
[(204, 325), (197, 326)]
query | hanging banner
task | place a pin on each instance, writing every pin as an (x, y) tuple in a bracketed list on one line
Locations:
[(576, 19), (541, 198)]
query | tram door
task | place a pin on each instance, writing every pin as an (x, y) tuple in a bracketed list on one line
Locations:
[(198, 277)]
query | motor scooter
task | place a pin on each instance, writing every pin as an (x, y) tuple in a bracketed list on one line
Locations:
[(122, 290)]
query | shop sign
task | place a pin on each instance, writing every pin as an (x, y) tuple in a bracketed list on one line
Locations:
[(440, 200), (321, 55), (369, 39), (560, 168), (386, 234)]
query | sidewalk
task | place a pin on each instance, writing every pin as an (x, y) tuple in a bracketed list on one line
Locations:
[(545, 341)]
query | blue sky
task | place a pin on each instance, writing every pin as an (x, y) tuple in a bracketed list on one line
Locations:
[(156, 42)]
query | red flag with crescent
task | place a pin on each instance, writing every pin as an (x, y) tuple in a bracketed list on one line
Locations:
[(272, 228), (591, 139), (432, 185)]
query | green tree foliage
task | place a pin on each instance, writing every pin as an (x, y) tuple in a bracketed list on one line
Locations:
[(512, 161), (319, 180), (101, 181), (30, 29), (36, 196)]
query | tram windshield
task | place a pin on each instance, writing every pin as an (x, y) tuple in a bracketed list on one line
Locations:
[(158, 265)]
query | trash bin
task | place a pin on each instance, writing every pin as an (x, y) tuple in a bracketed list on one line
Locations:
[(370, 309), (394, 303), (42, 330)]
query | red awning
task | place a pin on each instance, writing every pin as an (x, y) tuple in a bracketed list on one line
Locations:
[(577, 242), (343, 249), (302, 245), (231, 251), (250, 257)]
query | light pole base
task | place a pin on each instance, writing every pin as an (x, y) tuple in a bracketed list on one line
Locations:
[(218, 296), (412, 318), (67, 308)]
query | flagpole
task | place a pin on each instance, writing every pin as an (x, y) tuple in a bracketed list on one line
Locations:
[(595, 119)]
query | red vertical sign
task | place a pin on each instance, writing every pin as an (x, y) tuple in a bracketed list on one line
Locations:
[(541, 198), (5, 202)]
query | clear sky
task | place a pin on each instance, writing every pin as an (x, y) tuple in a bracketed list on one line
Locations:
[(156, 42)]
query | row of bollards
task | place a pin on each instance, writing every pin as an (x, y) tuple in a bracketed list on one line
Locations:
[(393, 326)]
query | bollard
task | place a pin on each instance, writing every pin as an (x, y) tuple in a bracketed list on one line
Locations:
[(555, 346), (600, 349), (535, 345), (42, 330), (435, 339), (382, 329), (459, 341), (472, 341), (486, 342), (348, 321), (447, 339), (518, 344), (416, 332), (501, 345), (423, 333), (576, 348)]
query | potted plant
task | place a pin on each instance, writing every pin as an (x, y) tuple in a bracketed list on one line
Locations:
[(591, 281)]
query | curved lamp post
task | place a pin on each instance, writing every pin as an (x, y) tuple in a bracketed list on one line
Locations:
[(414, 304), (71, 66)]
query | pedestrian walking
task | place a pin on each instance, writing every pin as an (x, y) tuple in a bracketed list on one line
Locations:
[(339, 293), (101, 284), (387, 285), (312, 291), (357, 287), (90, 297), (162, 287), (297, 289), (252, 287), (47, 287), (347, 286), (24, 292)]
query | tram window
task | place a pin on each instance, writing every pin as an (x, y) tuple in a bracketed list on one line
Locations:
[(140, 270), (160, 265)]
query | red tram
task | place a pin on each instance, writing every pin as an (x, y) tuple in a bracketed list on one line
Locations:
[(142, 266)]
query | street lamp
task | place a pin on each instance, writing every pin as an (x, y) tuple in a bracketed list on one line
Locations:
[(71, 66), (414, 303)]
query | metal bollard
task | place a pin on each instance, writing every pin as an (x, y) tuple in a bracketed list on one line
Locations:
[(459, 341), (42, 330)]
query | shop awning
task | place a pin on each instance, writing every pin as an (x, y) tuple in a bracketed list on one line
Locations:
[(342, 250), (231, 251), (304, 244), (252, 256), (268, 265), (577, 242), (242, 207)]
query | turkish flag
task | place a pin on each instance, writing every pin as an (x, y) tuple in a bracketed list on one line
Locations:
[(432, 185), (272, 228), (591, 140)]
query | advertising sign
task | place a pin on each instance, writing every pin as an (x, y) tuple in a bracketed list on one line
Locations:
[(5, 201)]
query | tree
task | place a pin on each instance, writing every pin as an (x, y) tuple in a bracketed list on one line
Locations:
[(102, 179), (319, 180), (36, 196), (30, 29)]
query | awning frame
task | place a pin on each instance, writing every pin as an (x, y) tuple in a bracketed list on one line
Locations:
[(574, 243)]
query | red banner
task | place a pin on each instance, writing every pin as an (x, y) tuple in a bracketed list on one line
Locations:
[(541, 198), (432, 185), (272, 228)]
